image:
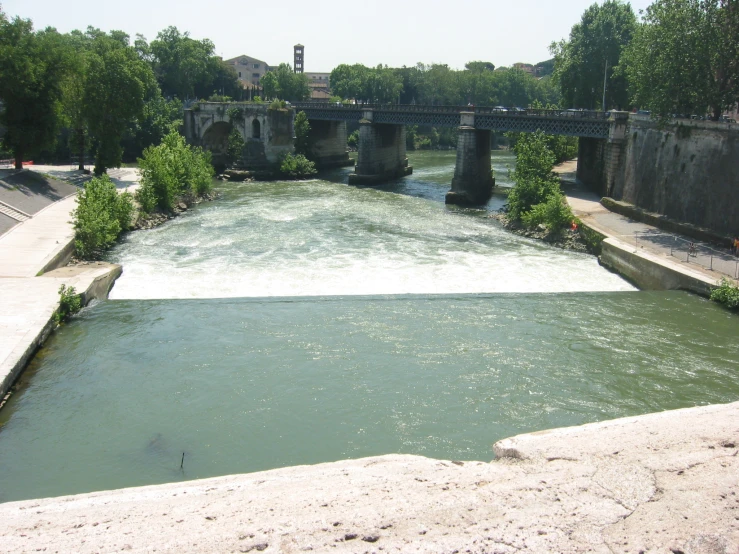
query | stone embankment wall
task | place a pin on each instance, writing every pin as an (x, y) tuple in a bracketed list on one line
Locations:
[(688, 171)]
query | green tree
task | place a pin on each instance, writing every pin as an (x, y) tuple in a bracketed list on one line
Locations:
[(533, 177), (33, 67), (171, 170), (181, 63), (685, 57), (100, 216), (116, 90), (302, 134), (593, 51), (236, 145)]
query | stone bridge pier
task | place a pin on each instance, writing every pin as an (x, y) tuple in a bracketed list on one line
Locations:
[(382, 153), (473, 182), (599, 160), (328, 143)]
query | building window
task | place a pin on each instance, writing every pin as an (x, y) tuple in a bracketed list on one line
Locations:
[(255, 75), (256, 129), (239, 74), (256, 66)]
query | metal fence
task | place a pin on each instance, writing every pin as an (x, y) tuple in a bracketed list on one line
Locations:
[(720, 260)]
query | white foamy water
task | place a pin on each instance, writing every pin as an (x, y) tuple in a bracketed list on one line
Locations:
[(323, 238)]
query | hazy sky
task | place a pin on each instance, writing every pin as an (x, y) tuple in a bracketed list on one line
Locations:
[(396, 33)]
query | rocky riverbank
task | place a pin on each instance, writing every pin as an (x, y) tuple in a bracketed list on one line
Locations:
[(567, 239), (154, 219)]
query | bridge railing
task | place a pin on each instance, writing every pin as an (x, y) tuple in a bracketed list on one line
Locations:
[(488, 110)]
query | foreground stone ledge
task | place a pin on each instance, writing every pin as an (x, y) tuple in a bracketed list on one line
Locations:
[(666, 482)]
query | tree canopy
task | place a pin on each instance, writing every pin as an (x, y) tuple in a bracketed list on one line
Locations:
[(593, 52), (685, 57), (285, 84), (480, 83), (32, 70)]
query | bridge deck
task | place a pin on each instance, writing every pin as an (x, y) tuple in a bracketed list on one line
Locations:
[(579, 123)]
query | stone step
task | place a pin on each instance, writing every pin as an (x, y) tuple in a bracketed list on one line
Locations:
[(11, 212)]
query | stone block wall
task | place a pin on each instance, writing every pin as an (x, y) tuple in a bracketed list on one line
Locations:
[(268, 133), (473, 181), (328, 143), (381, 150), (687, 171)]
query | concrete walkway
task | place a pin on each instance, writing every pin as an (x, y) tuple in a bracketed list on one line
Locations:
[(706, 265), (30, 254)]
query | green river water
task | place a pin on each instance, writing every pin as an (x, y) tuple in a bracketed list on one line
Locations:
[(298, 323)]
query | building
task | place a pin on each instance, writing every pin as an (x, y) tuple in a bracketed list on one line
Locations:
[(249, 70), (527, 67), (298, 66)]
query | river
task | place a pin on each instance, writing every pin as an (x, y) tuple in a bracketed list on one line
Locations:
[(298, 323)]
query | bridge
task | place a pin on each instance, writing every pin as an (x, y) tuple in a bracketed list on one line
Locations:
[(268, 134), (382, 152)]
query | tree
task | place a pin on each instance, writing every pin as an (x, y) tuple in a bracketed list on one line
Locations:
[(533, 177), (592, 52), (685, 57), (479, 67), (181, 63), (270, 85), (100, 216), (235, 149), (302, 134), (170, 170), (33, 66), (117, 87)]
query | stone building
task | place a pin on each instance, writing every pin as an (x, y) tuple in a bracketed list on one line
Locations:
[(249, 70)]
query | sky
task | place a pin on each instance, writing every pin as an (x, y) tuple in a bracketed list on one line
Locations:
[(396, 33)]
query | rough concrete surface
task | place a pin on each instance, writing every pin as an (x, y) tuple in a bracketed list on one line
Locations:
[(29, 304), (666, 482)]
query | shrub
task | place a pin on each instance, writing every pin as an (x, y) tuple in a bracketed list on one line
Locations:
[(236, 146), (533, 177), (257, 100), (277, 105), (69, 304), (555, 213), (297, 167), (353, 139), (726, 293), (171, 170), (100, 216), (302, 134)]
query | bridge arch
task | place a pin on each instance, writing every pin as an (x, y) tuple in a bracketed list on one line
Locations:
[(256, 129)]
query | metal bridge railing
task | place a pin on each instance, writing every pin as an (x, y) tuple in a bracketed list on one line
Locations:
[(692, 252), (415, 108)]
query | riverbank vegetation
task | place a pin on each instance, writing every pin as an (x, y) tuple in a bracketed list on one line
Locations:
[(726, 293), (69, 304), (536, 198), (100, 217), (171, 171), (681, 58)]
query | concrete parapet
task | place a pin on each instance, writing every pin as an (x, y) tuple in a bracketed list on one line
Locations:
[(33, 302), (662, 482), (651, 272)]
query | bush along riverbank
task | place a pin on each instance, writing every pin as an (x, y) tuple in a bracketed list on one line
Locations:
[(174, 176), (536, 207)]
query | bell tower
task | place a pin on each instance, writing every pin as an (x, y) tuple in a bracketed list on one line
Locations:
[(298, 59)]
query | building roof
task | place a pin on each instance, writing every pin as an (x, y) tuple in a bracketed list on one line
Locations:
[(249, 59)]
